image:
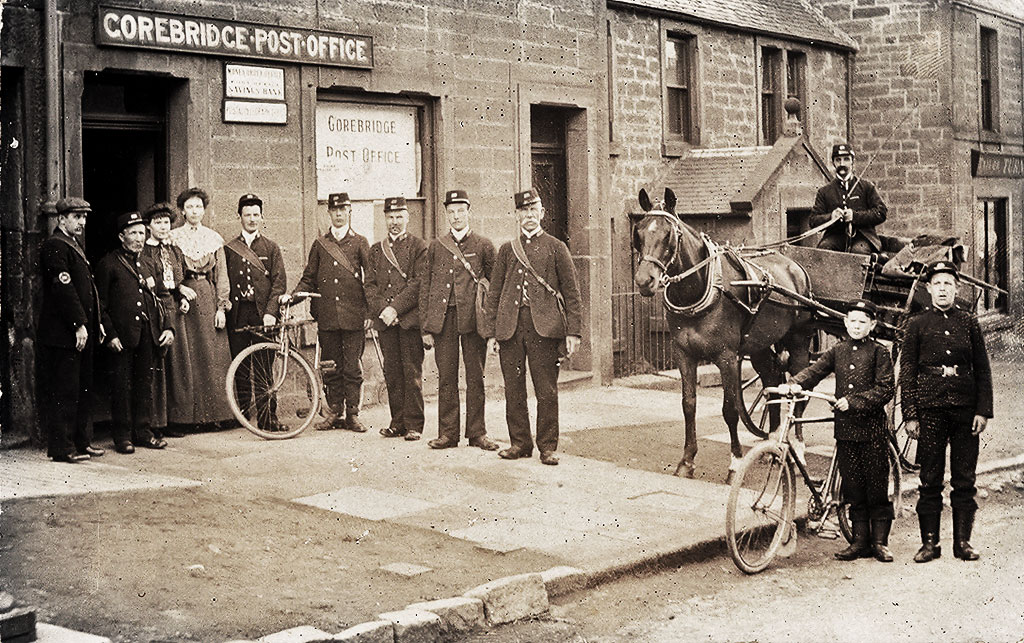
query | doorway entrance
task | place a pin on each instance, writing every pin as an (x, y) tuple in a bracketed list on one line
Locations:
[(549, 168), (124, 151)]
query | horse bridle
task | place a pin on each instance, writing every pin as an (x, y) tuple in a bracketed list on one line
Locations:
[(665, 279)]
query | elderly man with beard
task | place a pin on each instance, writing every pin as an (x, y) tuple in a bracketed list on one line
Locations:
[(132, 295)]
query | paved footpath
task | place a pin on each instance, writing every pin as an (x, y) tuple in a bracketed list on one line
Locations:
[(602, 515)]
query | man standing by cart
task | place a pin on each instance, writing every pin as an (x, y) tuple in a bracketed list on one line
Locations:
[(946, 384), (852, 204)]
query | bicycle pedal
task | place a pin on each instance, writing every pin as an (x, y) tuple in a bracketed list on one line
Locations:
[(327, 366), (828, 534)]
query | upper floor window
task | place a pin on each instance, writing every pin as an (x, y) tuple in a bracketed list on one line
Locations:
[(678, 80), (782, 76), (771, 94), (989, 76)]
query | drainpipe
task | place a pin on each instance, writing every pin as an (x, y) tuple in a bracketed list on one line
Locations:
[(54, 125)]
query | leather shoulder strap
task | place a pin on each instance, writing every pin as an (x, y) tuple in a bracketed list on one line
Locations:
[(335, 251), (520, 253), (449, 244), (389, 254), (240, 248)]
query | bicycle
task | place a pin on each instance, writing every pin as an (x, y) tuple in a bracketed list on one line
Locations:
[(760, 514), (272, 388)]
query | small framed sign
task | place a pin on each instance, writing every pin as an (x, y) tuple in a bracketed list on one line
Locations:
[(250, 82), (248, 111)]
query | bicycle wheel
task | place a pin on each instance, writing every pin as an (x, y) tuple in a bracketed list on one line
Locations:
[(895, 494), (276, 396), (760, 511)]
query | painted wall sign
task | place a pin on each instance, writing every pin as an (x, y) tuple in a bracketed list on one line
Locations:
[(124, 27), (253, 83), (244, 111), (987, 164), (366, 150)]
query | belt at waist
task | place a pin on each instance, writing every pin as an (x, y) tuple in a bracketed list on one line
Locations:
[(948, 370), (196, 275)]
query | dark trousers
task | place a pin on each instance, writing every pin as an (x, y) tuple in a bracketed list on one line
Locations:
[(131, 392), (446, 356), (345, 383), (65, 380), (526, 346), (864, 467), (858, 244), (254, 376), (940, 427), (403, 373)]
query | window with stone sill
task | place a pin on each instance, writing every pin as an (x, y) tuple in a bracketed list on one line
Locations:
[(678, 88), (782, 76), (988, 69)]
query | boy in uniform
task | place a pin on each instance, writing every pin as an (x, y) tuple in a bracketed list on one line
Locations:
[(864, 385)]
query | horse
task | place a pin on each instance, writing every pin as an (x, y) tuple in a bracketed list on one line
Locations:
[(713, 319)]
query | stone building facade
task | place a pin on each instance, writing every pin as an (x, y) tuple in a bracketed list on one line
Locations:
[(293, 101), (937, 88)]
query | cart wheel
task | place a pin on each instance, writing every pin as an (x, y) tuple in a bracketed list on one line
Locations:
[(757, 416), (904, 445)]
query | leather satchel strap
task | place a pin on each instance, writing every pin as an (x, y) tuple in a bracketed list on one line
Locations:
[(389, 254), (520, 253), (242, 249), (335, 251), (452, 247)]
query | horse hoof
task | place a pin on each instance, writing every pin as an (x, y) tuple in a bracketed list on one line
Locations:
[(685, 470)]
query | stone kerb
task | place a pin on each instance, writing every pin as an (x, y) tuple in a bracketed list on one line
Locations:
[(414, 625), (369, 632), (512, 598)]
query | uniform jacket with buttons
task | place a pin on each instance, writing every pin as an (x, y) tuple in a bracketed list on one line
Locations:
[(133, 296), (70, 298), (249, 281), (863, 199), (386, 287), (864, 377), (934, 339), (342, 301), (446, 277), (150, 258), (550, 258)]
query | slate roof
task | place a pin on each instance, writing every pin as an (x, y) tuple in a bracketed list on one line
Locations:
[(708, 180), (713, 182), (796, 19), (1013, 9)]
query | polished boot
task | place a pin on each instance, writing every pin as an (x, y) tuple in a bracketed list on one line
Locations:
[(860, 547), (930, 549), (880, 540), (963, 523)]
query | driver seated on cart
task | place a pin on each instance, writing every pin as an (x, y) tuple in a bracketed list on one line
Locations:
[(864, 385), (852, 204)]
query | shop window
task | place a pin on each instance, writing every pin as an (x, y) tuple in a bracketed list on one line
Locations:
[(988, 60), (678, 81), (994, 255)]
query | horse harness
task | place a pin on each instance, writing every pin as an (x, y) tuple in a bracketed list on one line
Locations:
[(713, 285)]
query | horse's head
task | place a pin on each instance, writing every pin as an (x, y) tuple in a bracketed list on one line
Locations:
[(657, 236)]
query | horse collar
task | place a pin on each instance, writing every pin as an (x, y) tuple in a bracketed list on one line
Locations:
[(712, 285)]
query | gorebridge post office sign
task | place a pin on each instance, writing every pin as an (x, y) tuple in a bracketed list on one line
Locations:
[(124, 27)]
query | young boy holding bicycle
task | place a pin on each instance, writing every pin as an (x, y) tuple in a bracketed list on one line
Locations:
[(864, 384)]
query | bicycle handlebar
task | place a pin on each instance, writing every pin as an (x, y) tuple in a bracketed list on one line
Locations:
[(299, 297), (803, 393)]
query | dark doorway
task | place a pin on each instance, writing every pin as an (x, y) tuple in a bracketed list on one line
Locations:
[(547, 145), (798, 221), (124, 151)]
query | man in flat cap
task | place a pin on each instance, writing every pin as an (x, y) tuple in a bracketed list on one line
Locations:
[(459, 265), (864, 385), (852, 204), (71, 324), (946, 388), (393, 291), (256, 278), (134, 297), (533, 311), (162, 258), (336, 269)]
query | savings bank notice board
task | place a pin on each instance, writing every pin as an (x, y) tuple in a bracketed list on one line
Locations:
[(369, 151)]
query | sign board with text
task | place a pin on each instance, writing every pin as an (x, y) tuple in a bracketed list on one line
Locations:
[(249, 82), (139, 28), (366, 150), (989, 164), (248, 111)]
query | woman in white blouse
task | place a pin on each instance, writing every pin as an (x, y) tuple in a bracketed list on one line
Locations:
[(200, 400)]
